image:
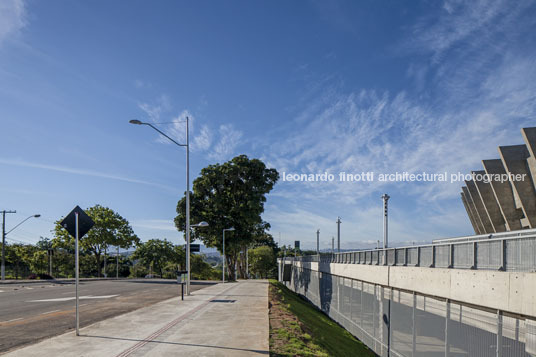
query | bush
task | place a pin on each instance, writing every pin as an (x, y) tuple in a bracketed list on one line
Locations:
[(32, 276), (138, 271), (44, 276)]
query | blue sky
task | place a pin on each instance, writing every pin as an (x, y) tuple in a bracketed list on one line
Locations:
[(306, 86)]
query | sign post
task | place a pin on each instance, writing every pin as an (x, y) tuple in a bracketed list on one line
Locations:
[(77, 274), (77, 223)]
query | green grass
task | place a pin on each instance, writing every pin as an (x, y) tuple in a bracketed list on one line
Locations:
[(326, 337)]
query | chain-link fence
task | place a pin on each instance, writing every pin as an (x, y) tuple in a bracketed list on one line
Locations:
[(400, 323)]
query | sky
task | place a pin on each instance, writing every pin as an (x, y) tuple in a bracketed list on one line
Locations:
[(309, 87)]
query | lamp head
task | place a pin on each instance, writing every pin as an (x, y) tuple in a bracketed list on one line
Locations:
[(230, 229), (135, 121), (37, 215), (200, 224)]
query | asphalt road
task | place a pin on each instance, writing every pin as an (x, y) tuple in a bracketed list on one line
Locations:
[(32, 312)]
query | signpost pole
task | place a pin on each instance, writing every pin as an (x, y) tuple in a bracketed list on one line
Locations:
[(77, 275)]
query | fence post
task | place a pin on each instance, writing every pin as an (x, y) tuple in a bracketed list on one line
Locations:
[(503, 257), (447, 318), (474, 255), (414, 324), (418, 257), (433, 257), (499, 333), (451, 255), (405, 257)]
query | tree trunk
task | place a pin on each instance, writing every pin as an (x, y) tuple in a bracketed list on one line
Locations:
[(230, 266), (98, 260)]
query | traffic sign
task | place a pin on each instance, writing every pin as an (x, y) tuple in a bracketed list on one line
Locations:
[(195, 248), (84, 222)]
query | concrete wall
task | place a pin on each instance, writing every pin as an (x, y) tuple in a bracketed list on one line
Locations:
[(512, 292)]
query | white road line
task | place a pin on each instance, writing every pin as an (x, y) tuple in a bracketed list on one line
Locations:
[(17, 319), (82, 305), (72, 298), (49, 312)]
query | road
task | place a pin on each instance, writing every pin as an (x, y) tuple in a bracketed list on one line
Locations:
[(32, 312)]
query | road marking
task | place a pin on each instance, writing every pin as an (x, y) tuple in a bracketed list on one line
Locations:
[(49, 312), (82, 305), (73, 297), (17, 319)]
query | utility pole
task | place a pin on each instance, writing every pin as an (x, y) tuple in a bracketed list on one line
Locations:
[(117, 263), (4, 242), (105, 275), (50, 253), (339, 234), (332, 245), (385, 198), (318, 241)]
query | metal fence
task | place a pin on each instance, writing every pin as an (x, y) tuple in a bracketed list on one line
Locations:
[(507, 252), (399, 323)]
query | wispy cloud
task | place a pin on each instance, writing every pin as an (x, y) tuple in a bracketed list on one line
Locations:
[(154, 111), (217, 144), (474, 91), (12, 18), (229, 139), (155, 224), (91, 173)]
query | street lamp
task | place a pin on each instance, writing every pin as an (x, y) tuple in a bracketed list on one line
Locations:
[(4, 234), (187, 145), (200, 224), (223, 251)]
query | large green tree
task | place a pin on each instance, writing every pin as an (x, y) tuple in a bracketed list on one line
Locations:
[(262, 261), (110, 229), (227, 195), (156, 253)]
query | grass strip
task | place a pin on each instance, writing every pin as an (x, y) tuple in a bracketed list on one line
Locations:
[(297, 328)]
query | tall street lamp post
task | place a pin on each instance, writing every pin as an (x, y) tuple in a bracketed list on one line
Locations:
[(4, 234), (187, 145), (223, 251)]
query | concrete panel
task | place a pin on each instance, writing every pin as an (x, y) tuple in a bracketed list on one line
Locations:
[(431, 281), (470, 214), (523, 293), (490, 203), (479, 205), (514, 159), (472, 207), (507, 291), (504, 195), (481, 287)]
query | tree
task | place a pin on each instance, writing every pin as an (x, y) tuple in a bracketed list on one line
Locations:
[(229, 195), (262, 261), (110, 229), (155, 253)]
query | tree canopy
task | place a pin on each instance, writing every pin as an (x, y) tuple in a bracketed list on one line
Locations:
[(227, 195), (110, 229)]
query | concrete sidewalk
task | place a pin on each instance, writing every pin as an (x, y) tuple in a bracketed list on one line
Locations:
[(221, 320)]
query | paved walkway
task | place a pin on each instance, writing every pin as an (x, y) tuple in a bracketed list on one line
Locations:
[(222, 320)]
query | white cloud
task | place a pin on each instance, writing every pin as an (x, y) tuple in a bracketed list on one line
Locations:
[(155, 224), (75, 171), (229, 139), (154, 111), (12, 18)]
